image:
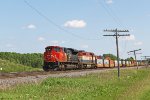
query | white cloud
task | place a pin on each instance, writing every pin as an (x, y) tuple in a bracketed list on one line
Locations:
[(30, 26), (85, 46), (56, 42), (129, 38), (41, 39), (109, 1), (138, 43), (75, 24)]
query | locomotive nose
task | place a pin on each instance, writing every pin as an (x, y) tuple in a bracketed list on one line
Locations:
[(47, 56)]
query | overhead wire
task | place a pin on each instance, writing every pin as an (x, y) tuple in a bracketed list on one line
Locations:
[(122, 25), (115, 15), (115, 18), (109, 12), (56, 25)]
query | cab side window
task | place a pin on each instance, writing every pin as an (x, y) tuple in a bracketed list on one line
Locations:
[(57, 49)]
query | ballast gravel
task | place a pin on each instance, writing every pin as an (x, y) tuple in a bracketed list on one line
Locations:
[(10, 82)]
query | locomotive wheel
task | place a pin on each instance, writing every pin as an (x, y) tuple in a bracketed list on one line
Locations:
[(80, 66), (95, 67), (55, 69), (85, 66), (46, 68), (62, 67)]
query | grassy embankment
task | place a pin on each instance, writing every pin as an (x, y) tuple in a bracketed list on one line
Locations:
[(133, 85), (7, 66)]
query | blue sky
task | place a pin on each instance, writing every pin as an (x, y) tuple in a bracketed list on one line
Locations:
[(74, 23)]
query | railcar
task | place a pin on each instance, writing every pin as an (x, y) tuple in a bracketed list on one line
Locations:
[(100, 62), (87, 59)]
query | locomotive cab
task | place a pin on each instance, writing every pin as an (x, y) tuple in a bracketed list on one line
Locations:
[(53, 56)]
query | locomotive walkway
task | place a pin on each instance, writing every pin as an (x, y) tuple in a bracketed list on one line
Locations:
[(13, 79)]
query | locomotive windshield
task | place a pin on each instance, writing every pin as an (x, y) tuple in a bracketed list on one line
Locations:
[(48, 49), (57, 49)]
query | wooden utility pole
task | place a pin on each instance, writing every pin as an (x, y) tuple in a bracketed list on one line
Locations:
[(145, 57), (146, 60), (116, 35), (134, 51)]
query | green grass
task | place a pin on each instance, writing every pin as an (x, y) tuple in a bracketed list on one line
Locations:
[(7, 66), (133, 85)]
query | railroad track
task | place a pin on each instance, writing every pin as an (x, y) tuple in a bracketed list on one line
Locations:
[(35, 73)]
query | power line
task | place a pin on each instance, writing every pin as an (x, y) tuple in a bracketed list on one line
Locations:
[(53, 23), (109, 13), (116, 35), (114, 14)]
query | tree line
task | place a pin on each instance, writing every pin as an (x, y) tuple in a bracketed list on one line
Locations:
[(36, 59), (113, 57), (29, 59)]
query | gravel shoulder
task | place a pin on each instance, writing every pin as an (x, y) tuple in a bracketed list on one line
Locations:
[(13, 81)]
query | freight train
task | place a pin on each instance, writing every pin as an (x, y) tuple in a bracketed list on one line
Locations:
[(61, 58)]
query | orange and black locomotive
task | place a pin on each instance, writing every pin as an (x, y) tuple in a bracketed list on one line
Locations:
[(60, 58)]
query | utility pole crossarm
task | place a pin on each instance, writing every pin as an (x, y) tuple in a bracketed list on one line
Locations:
[(134, 50), (109, 35), (118, 35), (115, 30), (145, 57), (130, 51)]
